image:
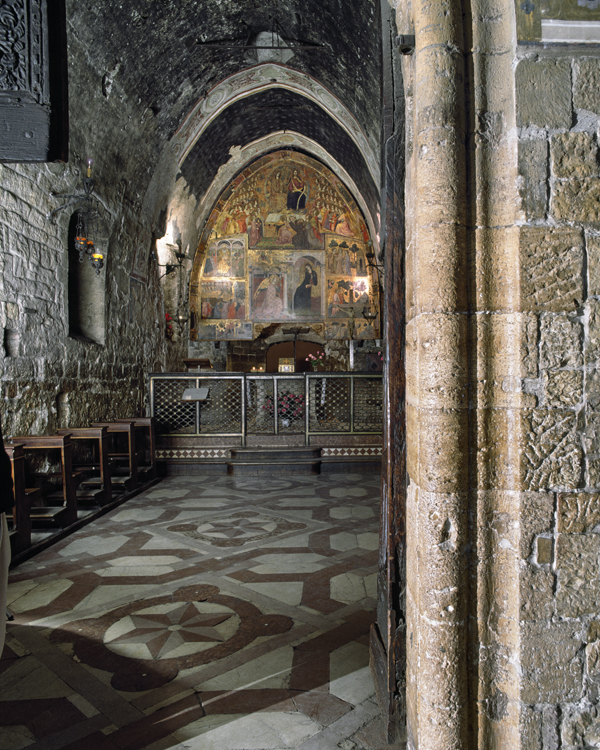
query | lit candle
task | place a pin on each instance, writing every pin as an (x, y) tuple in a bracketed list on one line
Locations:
[(89, 163), (97, 256)]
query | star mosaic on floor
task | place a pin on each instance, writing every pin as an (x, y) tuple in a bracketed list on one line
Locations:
[(208, 612)]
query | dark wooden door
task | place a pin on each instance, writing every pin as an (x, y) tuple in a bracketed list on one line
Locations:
[(388, 635)]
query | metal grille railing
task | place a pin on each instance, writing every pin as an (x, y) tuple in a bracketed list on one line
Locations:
[(172, 414), (330, 404), (368, 404), (240, 404), (221, 413)]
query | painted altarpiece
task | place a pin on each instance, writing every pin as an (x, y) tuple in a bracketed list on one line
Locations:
[(285, 243)]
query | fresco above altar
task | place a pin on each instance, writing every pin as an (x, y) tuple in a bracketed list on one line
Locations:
[(285, 242)]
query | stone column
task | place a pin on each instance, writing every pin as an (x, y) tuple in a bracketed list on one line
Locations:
[(496, 327), (463, 382), (438, 713)]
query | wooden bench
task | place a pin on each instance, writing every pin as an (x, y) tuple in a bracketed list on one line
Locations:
[(122, 480), (93, 490), (19, 519), (146, 472), (43, 512)]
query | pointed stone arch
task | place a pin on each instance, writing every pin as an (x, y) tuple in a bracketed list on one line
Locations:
[(254, 80)]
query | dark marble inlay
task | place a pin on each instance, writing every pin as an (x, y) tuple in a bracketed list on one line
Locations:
[(237, 529)]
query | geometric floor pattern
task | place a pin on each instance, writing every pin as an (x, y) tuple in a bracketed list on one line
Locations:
[(207, 613)]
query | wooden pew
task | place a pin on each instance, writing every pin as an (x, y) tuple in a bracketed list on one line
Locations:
[(92, 491), (121, 481), (47, 514), (147, 472), (20, 520)]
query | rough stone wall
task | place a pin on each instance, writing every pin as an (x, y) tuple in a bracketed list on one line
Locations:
[(48, 378), (502, 350), (558, 97)]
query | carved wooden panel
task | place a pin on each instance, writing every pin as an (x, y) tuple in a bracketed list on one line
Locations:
[(33, 114)]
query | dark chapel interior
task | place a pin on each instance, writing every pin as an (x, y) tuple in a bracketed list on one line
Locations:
[(300, 337)]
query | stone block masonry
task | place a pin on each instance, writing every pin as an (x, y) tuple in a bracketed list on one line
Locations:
[(48, 378), (560, 285)]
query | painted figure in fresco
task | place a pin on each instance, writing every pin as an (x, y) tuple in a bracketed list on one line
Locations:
[(338, 298), (296, 199), (285, 234), (237, 260), (347, 264), (210, 267), (255, 231), (271, 305), (277, 184), (223, 265), (343, 226), (303, 293), (300, 239), (315, 237)]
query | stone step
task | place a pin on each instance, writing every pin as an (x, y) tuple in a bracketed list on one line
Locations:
[(265, 461), (275, 454), (259, 469)]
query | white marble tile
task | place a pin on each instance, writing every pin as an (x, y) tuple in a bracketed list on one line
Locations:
[(111, 594), (343, 541), (144, 571), (300, 502), (301, 540), (138, 561), (351, 679), (124, 625), (308, 562), (173, 627), (94, 545), (304, 513), (368, 540), (277, 730), (16, 646), (289, 592), (348, 492), (18, 589), (84, 706), (269, 671), (16, 737), (39, 596), (350, 511), (350, 587), (189, 515), (168, 701), (159, 542), (371, 585), (138, 514), (29, 679), (161, 494), (201, 502), (263, 484), (131, 650)]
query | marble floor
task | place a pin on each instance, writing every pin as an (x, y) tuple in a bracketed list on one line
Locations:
[(209, 613)]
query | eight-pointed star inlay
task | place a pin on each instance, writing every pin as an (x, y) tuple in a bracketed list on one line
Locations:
[(164, 632)]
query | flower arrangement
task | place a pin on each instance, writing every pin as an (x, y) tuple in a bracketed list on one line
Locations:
[(168, 326), (290, 405), (316, 361)]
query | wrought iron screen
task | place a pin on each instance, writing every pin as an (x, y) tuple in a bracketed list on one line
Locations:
[(240, 404)]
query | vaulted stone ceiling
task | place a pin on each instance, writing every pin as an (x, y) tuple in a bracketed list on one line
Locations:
[(142, 65)]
